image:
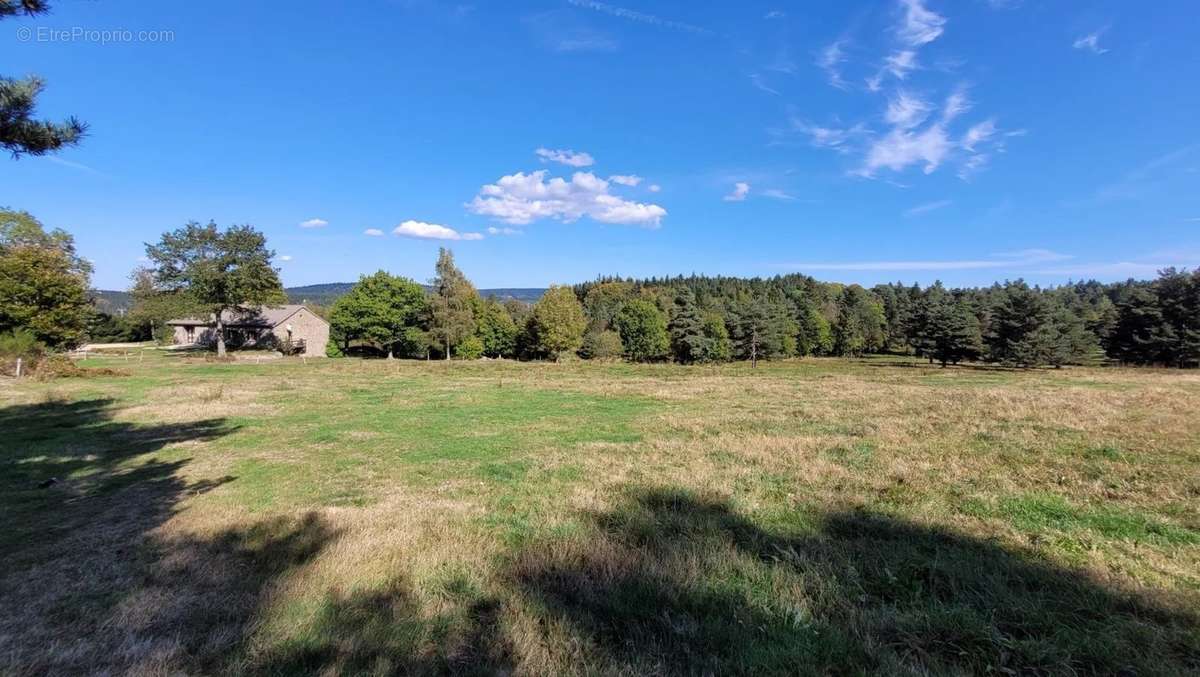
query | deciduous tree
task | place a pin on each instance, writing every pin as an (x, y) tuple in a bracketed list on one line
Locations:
[(222, 271)]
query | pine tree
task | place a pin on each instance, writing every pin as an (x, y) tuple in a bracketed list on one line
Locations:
[(19, 132), (495, 328), (952, 330), (1179, 298), (689, 343), (1019, 332), (1138, 337)]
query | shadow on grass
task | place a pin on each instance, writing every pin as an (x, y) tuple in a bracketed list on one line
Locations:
[(666, 582), (680, 584)]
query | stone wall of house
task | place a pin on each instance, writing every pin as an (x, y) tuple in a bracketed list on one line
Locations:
[(305, 325)]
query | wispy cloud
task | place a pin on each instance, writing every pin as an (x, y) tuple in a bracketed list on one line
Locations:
[(566, 157), (625, 179), (774, 14), (830, 60), (285, 257), (906, 110), (432, 231), (777, 194), (314, 223), (840, 139), (740, 190), (654, 188), (493, 230), (1140, 181), (1090, 42), (523, 198), (919, 26), (54, 159), (640, 17), (757, 80), (927, 207), (373, 232)]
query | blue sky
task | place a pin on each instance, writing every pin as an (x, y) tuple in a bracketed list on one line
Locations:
[(559, 140)]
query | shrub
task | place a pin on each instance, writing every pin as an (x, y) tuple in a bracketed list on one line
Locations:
[(21, 343), (602, 345), (471, 348), (332, 349)]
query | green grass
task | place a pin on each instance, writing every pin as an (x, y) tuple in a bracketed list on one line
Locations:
[(875, 516)]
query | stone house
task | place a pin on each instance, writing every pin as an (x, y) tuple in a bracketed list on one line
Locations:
[(266, 327)]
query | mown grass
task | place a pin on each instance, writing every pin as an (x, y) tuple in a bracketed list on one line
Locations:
[(820, 516)]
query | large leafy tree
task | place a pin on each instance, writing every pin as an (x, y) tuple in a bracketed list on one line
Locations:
[(557, 323), (154, 307), (643, 330), (383, 309), (221, 271), (495, 327), (43, 281), (451, 308), (20, 133), (860, 322)]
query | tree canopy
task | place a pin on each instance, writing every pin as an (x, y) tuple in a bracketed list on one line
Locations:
[(217, 270)]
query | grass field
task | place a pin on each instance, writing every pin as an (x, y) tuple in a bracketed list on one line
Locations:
[(818, 516)]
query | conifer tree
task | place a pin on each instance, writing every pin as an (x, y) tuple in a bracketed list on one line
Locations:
[(689, 343)]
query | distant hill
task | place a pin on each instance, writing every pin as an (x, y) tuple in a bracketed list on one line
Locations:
[(119, 302), (326, 294)]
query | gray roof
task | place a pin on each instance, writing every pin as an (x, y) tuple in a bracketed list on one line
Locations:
[(269, 316)]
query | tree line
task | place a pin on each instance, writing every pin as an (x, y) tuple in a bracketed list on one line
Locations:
[(700, 319), (203, 269)]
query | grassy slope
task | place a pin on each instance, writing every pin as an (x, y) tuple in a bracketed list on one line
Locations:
[(815, 516)]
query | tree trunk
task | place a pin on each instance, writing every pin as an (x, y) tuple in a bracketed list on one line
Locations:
[(447, 348), (220, 335)]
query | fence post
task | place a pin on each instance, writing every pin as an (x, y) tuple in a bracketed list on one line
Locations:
[(18, 367)]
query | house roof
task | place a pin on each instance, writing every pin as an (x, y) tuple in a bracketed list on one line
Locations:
[(268, 316)]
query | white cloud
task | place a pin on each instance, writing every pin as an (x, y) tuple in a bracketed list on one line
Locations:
[(740, 190), (830, 59), (777, 194), (978, 134), (373, 232), (566, 157), (285, 257), (838, 139), (314, 223), (901, 148), (901, 63), (523, 198), (919, 26), (493, 230), (432, 231), (654, 188), (906, 111), (1090, 43), (774, 14), (927, 207), (956, 104), (626, 179)]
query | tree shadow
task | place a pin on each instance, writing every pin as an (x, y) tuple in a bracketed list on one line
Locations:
[(673, 583)]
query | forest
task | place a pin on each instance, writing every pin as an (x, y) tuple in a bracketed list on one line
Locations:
[(701, 319)]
